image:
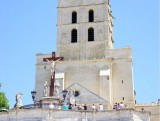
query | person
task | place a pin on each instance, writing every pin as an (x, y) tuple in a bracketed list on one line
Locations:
[(93, 107), (65, 107), (118, 106), (80, 107), (51, 106), (115, 106), (85, 107), (121, 106), (70, 106), (100, 107), (75, 106)]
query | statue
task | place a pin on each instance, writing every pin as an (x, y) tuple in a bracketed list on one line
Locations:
[(18, 100), (56, 88), (71, 97), (53, 64), (52, 68), (45, 89)]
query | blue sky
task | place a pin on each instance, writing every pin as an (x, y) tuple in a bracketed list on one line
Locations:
[(28, 27)]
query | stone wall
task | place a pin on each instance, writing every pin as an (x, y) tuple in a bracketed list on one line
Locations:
[(59, 115), (101, 76), (153, 108), (122, 76)]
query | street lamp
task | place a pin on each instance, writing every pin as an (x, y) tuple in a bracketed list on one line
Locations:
[(64, 94), (33, 93)]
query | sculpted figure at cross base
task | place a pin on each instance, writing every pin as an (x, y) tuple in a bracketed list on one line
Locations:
[(45, 89), (56, 88), (18, 100), (71, 97)]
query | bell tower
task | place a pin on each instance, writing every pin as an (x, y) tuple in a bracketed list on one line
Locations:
[(85, 29)]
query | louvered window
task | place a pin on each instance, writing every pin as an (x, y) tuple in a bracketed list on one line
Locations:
[(74, 17), (91, 16), (90, 34), (74, 36)]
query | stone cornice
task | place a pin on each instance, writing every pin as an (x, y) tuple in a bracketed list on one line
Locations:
[(83, 5)]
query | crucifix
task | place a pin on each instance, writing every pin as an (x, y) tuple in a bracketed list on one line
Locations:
[(52, 60)]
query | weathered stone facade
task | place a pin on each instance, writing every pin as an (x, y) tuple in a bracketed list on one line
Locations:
[(101, 76), (96, 65), (99, 72), (105, 71), (103, 29), (59, 115)]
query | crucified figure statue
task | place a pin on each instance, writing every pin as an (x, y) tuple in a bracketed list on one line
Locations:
[(52, 60), (53, 64)]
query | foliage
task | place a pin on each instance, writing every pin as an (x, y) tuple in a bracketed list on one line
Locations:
[(3, 100)]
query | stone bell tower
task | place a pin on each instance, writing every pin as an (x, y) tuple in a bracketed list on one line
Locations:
[(85, 29)]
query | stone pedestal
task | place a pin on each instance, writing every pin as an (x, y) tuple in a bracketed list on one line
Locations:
[(18, 105), (48, 102)]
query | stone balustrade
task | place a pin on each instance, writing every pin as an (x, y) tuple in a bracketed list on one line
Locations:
[(71, 115)]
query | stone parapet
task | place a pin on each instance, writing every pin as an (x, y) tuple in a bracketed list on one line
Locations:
[(69, 115), (153, 108), (148, 104)]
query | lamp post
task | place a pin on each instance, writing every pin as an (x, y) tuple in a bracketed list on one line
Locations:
[(33, 93), (64, 94)]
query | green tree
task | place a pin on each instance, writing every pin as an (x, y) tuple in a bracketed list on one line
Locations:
[(3, 99)]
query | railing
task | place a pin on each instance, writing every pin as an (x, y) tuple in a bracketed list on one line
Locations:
[(148, 104), (31, 106)]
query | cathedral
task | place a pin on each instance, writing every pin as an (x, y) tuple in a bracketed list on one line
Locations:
[(86, 60), (88, 68)]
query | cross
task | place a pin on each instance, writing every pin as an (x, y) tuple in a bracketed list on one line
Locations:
[(51, 59)]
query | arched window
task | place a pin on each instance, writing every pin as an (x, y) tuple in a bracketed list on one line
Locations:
[(90, 34), (91, 16), (74, 36), (74, 17)]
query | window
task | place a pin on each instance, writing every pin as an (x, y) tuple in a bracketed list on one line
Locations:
[(76, 93), (90, 34), (91, 16), (74, 36), (107, 77), (74, 17)]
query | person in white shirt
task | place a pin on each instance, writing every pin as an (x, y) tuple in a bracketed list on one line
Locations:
[(100, 107), (51, 106), (121, 106), (93, 107)]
